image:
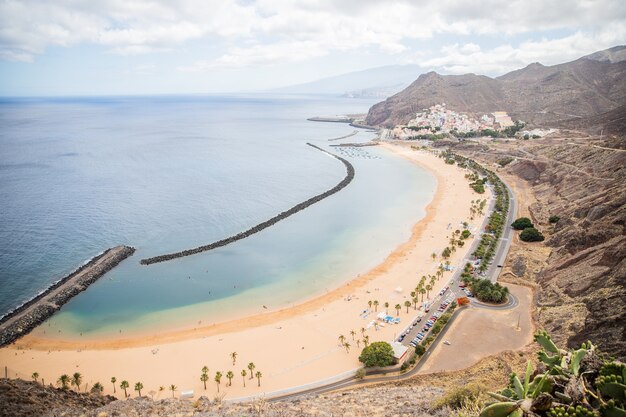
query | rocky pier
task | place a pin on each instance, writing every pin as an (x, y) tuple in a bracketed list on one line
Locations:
[(29, 315), (256, 229)]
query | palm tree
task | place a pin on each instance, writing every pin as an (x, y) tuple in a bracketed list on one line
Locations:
[(251, 367), (113, 381), (218, 378), (447, 264), (138, 387), (358, 343), (407, 304), (352, 333), (422, 291), (233, 355), (243, 376), (375, 305), (173, 388), (366, 340), (428, 288), (230, 375), (64, 381), (97, 388), (415, 300), (398, 308), (204, 377), (433, 255), (35, 376), (124, 385), (413, 294), (205, 369), (363, 331), (347, 346), (369, 303), (342, 339), (258, 376), (386, 307), (77, 378)]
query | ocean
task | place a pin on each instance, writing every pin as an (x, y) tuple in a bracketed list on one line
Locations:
[(166, 173)]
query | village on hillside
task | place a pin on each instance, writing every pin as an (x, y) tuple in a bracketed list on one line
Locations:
[(439, 122)]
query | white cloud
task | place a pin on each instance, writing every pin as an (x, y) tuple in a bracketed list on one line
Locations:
[(286, 29), (460, 59)]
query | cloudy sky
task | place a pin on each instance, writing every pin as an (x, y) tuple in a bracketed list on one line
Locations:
[(82, 47)]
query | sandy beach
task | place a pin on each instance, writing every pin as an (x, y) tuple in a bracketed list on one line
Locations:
[(293, 346)]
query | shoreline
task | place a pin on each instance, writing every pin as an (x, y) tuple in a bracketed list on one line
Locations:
[(23, 319), (270, 317), (291, 346)]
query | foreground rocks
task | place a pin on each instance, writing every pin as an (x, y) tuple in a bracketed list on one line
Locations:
[(25, 399), (375, 401)]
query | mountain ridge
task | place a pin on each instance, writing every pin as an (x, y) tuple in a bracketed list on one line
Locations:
[(538, 94)]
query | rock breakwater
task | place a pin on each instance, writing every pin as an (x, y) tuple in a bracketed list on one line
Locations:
[(32, 313), (256, 229)]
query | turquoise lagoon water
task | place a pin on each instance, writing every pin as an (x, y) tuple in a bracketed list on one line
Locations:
[(168, 173)]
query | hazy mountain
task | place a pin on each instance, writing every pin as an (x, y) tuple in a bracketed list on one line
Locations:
[(539, 94), (373, 82)]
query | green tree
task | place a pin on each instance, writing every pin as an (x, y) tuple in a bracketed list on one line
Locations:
[(258, 377), (113, 381), (97, 388), (369, 303), (124, 385), (173, 388), (530, 234), (138, 387), (35, 376), (347, 346), (377, 354), (243, 376), (386, 307), (375, 305), (433, 255), (64, 381), (407, 304), (428, 288), (204, 377), (218, 379), (230, 375), (251, 367), (446, 252), (398, 308), (522, 223), (423, 292), (420, 349), (233, 355), (342, 339), (554, 219), (352, 333), (77, 379)]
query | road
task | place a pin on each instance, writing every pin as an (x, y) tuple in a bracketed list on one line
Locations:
[(492, 274)]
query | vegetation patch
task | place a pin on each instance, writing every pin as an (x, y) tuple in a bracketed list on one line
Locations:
[(377, 354), (530, 234), (522, 223)]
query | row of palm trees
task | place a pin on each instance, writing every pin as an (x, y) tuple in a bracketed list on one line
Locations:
[(204, 376)]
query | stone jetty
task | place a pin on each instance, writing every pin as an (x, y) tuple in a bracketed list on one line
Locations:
[(255, 229), (29, 315)]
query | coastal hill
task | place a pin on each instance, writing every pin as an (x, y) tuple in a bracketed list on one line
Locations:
[(538, 94), (379, 82)]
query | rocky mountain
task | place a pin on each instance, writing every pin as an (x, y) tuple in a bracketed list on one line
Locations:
[(541, 95)]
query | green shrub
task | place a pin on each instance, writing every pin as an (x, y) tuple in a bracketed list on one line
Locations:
[(377, 354), (530, 234), (465, 234), (554, 219), (460, 397), (504, 161), (419, 350), (522, 223)]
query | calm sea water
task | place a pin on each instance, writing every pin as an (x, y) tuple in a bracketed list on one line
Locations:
[(168, 173)]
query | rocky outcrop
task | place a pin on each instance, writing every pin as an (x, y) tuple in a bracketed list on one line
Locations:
[(29, 315), (27, 399), (582, 282), (261, 226)]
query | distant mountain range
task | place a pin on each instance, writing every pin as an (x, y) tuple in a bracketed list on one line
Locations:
[(374, 82), (542, 95)]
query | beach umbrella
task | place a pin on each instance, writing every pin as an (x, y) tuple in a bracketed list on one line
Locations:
[(398, 289)]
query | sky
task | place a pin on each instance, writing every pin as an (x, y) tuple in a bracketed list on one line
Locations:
[(125, 47)]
